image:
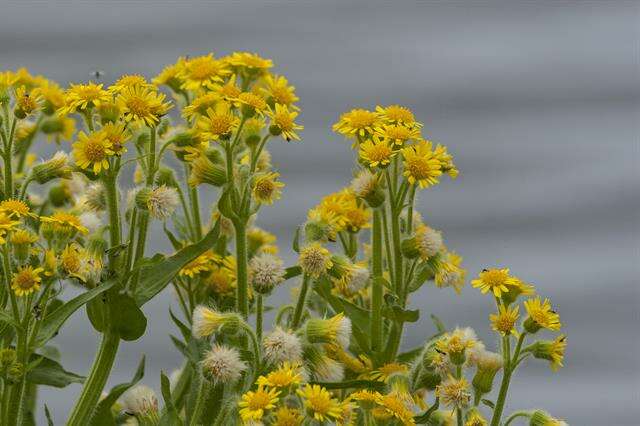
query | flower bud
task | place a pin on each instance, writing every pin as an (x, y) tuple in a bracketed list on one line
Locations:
[(58, 196), (222, 364), (323, 368), (541, 418), (336, 329), (56, 167), (475, 418), (207, 321), (204, 171), (166, 176), (15, 372), (22, 240), (7, 357), (142, 198), (488, 364)]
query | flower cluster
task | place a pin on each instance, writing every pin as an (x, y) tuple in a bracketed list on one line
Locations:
[(332, 355)]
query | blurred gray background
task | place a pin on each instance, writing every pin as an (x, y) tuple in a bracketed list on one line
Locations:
[(538, 101)]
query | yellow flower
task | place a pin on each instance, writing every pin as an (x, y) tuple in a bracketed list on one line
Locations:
[(266, 188), (398, 134), (50, 263), (254, 404), (356, 123), (315, 260), (23, 236), (117, 135), (496, 280), (449, 272), (129, 81), (366, 397), (7, 223), (202, 71), (287, 417), (62, 222), (284, 376), (200, 105), (16, 208), (57, 128), (80, 97), (26, 280), (203, 263), (218, 123), (278, 91), (319, 403), (376, 152), (395, 406), (282, 121), (52, 96), (251, 103), (71, 259), (221, 280), (396, 114), (542, 314), (252, 62), (93, 151), (551, 350), (170, 75), (420, 165), (385, 371), (446, 161), (142, 105), (454, 393), (228, 90), (504, 321), (26, 103)]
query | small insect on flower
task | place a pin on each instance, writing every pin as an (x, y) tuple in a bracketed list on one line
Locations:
[(26, 280), (504, 321), (140, 401), (282, 346), (267, 189), (496, 280), (319, 403), (254, 403), (26, 103), (282, 123), (222, 364), (118, 135)]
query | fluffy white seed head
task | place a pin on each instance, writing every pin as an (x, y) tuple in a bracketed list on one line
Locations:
[(280, 346), (140, 400), (358, 279), (222, 364), (328, 370), (429, 241), (266, 272), (162, 202), (364, 183), (343, 332), (91, 221)]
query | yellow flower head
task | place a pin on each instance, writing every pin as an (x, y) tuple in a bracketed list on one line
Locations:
[(71, 259), (27, 103), (117, 135), (454, 393), (396, 114), (142, 105), (395, 406), (504, 321), (128, 81), (52, 96), (23, 236), (229, 90), (266, 188), (385, 371), (7, 223), (26, 280), (170, 75), (16, 208), (420, 165), (63, 223), (93, 151), (254, 403), (319, 403), (446, 161), (218, 123), (203, 263), (496, 280), (278, 91), (449, 272), (551, 350), (80, 97), (251, 62), (221, 280), (315, 260), (285, 416), (357, 123), (200, 105), (282, 122), (202, 72), (398, 134), (376, 152), (251, 104), (284, 376), (59, 128), (542, 314)]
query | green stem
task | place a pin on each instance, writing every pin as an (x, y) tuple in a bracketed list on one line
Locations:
[(376, 285), (8, 173), (302, 301), (200, 402), (96, 380), (111, 193), (504, 385), (242, 300), (515, 415), (259, 313)]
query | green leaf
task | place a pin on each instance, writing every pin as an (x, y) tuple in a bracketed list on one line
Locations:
[(488, 403), (396, 313), (408, 356), (102, 415), (424, 418), (51, 373), (126, 317), (225, 205), (170, 416), (8, 319), (95, 312), (47, 414), (156, 276), (292, 272), (296, 240), (438, 323), (177, 245), (184, 329), (52, 322)]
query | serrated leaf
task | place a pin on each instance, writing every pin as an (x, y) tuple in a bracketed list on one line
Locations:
[(156, 276), (52, 322), (46, 371), (102, 414)]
